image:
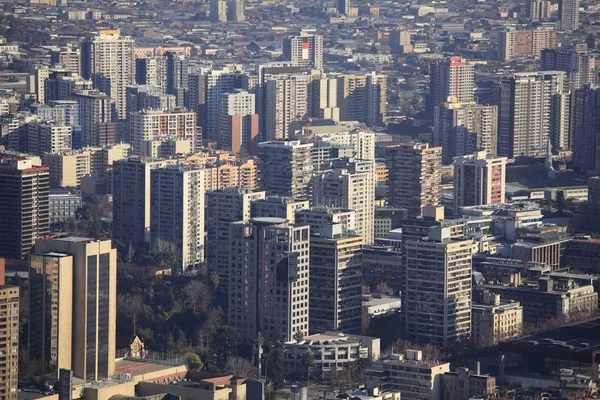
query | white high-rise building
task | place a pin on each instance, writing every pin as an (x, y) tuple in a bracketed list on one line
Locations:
[(285, 168), (218, 10), (304, 49), (177, 212), (238, 121), (451, 78), (49, 137), (154, 125), (287, 101), (269, 279), (325, 102), (108, 59), (235, 10)]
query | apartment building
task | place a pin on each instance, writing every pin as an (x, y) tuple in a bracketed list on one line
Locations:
[(464, 384), (525, 43), (453, 77), (494, 321), (152, 125), (277, 206), (305, 49), (9, 340), (285, 168)]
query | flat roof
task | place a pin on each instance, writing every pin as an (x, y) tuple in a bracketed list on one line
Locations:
[(136, 366)]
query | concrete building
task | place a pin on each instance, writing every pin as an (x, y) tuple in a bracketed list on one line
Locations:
[(464, 128), (335, 299), (148, 97), (538, 10), (343, 7), (579, 65), (568, 14), (167, 148), (108, 59), (285, 168), (415, 378), (533, 111), (332, 351), (451, 78), (177, 74), (89, 269), (415, 176), (63, 205), (360, 142), (153, 125), (349, 184), (279, 207), (287, 100), (222, 208), (269, 260), (24, 204), (95, 110), (9, 340), (325, 101), (238, 122), (321, 217), (68, 57), (525, 43), (464, 384), (235, 10), (218, 10), (585, 129), (305, 49), (67, 169), (48, 137), (362, 98), (494, 321), (438, 291), (479, 179), (382, 264), (151, 71), (177, 212)]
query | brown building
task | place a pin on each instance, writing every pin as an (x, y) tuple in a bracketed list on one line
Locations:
[(9, 341), (25, 213), (464, 384), (243, 127)]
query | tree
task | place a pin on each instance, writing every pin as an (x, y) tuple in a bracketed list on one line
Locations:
[(165, 253), (383, 288), (197, 296), (194, 362), (274, 367), (308, 359), (240, 367), (214, 280), (224, 343), (259, 341), (298, 336)]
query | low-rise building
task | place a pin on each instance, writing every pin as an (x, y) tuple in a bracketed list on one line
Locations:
[(493, 321), (380, 304), (463, 384), (63, 205)]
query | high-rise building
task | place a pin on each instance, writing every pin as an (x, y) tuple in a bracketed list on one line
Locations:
[(415, 176), (451, 78), (579, 65), (438, 291), (324, 103), (152, 125), (68, 57), (285, 168), (349, 184), (177, 212), (269, 283), (538, 9), (533, 110), (218, 10), (108, 59), (343, 7), (568, 14), (9, 340), (222, 208), (362, 98), (585, 129), (304, 49), (94, 111), (463, 128), (146, 97), (321, 217), (525, 43), (399, 38), (41, 74), (48, 137), (152, 71), (25, 212), (235, 10), (238, 125), (89, 267), (278, 207), (287, 101), (177, 76), (479, 179), (335, 298)]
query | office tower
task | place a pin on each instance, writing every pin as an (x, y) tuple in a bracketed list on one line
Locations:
[(94, 110), (68, 57), (533, 110), (335, 297), (51, 313), (525, 43), (324, 100), (579, 65), (93, 307), (24, 204), (152, 125), (48, 137), (238, 125), (131, 200), (285, 168), (9, 340), (146, 97), (304, 49), (438, 291), (415, 176), (463, 128), (585, 129), (538, 9), (479, 179), (177, 212), (222, 208), (287, 101), (108, 59), (279, 207), (177, 76), (235, 10), (205, 95), (152, 71), (349, 184), (343, 7), (218, 10), (269, 260), (568, 14), (362, 98), (451, 78)]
